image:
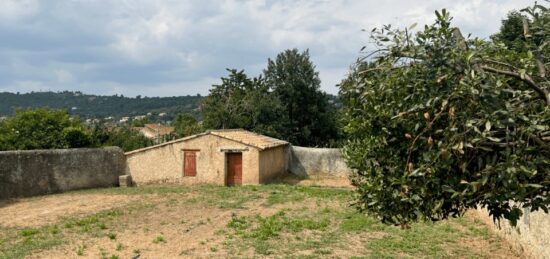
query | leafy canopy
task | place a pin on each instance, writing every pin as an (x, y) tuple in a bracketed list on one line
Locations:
[(438, 124), (186, 124), (308, 118), (42, 129), (242, 102)]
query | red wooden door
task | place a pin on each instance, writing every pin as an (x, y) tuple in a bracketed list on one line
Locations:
[(234, 168), (189, 163)]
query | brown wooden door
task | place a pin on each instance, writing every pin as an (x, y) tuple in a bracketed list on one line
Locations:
[(189, 163), (234, 168)]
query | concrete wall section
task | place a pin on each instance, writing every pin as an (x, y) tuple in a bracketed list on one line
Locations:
[(36, 172), (308, 162), (164, 163), (532, 233)]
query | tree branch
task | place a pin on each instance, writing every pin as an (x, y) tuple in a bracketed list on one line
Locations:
[(527, 79)]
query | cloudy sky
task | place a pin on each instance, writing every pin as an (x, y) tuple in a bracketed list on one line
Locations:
[(180, 47)]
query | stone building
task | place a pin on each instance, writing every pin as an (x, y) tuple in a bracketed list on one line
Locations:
[(223, 157)]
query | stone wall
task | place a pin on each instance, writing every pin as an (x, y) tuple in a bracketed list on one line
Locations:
[(36, 172), (272, 163), (531, 235), (309, 162)]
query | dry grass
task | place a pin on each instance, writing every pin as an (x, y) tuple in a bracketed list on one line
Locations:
[(208, 221)]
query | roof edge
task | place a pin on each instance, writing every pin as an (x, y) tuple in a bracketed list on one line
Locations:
[(165, 143), (209, 132)]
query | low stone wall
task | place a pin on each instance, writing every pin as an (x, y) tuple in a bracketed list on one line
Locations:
[(531, 235), (312, 162), (36, 172)]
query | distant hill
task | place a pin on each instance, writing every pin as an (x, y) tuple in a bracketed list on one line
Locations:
[(117, 106), (97, 106)]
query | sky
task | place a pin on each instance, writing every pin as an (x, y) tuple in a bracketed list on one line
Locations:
[(181, 47)]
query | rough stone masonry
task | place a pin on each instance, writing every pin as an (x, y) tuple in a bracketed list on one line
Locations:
[(36, 172)]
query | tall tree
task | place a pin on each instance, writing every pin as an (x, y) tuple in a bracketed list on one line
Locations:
[(308, 117), (440, 124), (242, 102)]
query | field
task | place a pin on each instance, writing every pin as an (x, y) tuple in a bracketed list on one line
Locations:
[(273, 221)]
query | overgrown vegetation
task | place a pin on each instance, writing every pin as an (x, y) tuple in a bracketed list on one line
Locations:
[(439, 124)]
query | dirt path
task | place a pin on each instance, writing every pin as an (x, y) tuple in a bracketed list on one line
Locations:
[(33, 212)]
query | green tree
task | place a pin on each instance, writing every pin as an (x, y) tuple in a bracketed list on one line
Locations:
[(308, 118), (127, 139), (186, 124), (42, 129), (439, 124), (242, 102), (139, 122), (511, 31)]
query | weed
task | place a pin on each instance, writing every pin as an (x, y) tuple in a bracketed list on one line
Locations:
[(80, 250), (159, 239), (111, 235), (119, 247), (28, 232), (238, 223)]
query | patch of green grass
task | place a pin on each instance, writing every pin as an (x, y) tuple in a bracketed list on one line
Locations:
[(264, 233), (21, 242), (238, 223), (159, 239), (357, 222), (80, 250), (17, 243), (28, 232), (111, 235), (434, 240)]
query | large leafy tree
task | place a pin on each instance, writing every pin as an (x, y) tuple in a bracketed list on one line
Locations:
[(186, 124), (308, 118), (42, 129), (242, 102), (439, 124)]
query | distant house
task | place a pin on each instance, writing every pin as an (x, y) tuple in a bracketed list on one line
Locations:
[(156, 131), (223, 157)]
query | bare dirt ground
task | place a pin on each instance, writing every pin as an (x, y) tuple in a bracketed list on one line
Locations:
[(32, 212), (271, 221), (320, 180)]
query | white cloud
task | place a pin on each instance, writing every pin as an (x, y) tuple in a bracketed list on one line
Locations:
[(175, 47), (17, 9)]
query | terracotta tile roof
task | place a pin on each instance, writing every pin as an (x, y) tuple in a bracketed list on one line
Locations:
[(249, 138), (159, 129)]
